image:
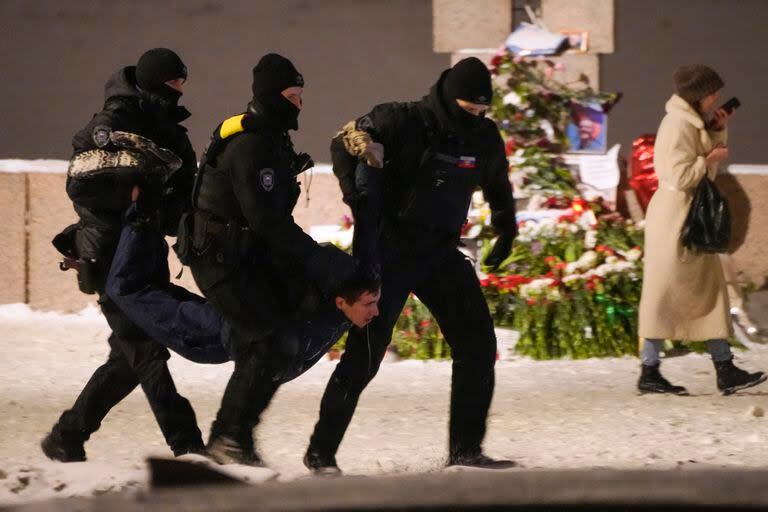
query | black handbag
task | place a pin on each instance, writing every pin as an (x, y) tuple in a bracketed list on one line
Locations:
[(707, 227)]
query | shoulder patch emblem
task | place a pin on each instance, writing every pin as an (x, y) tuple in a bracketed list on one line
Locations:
[(101, 135), (267, 176)]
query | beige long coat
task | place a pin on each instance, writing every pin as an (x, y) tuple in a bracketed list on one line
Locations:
[(684, 294)]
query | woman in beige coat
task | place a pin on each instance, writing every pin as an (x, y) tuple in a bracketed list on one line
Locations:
[(684, 293)]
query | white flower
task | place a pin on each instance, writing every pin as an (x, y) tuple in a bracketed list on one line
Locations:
[(546, 125), (590, 239), (572, 277), (512, 98), (634, 254), (573, 228), (587, 260)]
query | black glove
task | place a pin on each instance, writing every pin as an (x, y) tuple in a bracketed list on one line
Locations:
[(499, 252)]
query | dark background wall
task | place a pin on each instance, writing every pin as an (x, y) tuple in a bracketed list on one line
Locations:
[(55, 57), (654, 37)]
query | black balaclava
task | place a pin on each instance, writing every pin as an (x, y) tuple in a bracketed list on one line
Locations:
[(271, 76), (156, 67), (468, 80)]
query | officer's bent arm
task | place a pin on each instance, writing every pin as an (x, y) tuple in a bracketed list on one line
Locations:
[(497, 190)]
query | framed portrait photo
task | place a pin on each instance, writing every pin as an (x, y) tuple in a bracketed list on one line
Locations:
[(578, 40), (587, 129)]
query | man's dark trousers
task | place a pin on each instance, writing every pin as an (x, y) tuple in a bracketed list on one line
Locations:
[(134, 359), (445, 281)]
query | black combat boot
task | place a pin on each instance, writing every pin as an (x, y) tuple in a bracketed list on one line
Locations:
[(480, 460), (196, 448), (321, 465), (58, 447), (652, 381), (730, 378), (226, 450)]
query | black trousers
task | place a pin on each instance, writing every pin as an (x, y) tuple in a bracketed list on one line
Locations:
[(134, 359), (447, 284), (268, 345)]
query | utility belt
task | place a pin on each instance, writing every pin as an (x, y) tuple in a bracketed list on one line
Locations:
[(203, 235)]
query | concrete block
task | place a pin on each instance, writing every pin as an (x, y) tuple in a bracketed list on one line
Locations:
[(458, 24), (575, 65), (325, 204), (593, 16), (50, 210), (13, 196), (484, 54), (747, 195)]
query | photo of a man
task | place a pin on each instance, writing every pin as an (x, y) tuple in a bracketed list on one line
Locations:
[(587, 130)]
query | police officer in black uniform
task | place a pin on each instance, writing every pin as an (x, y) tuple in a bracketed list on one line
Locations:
[(249, 258), (408, 219), (141, 104)]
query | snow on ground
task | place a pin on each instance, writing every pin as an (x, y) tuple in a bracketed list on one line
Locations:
[(555, 414)]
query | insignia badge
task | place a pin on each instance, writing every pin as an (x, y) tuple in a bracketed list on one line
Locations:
[(299, 80), (466, 162), (101, 135), (267, 179)]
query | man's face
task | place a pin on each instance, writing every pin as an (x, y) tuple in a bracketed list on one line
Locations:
[(176, 84), (363, 310), (293, 94), (586, 127), (476, 109)]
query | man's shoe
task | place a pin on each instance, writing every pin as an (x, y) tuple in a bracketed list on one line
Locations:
[(480, 461), (226, 450), (197, 448), (55, 447), (731, 378), (321, 465), (652, 381)]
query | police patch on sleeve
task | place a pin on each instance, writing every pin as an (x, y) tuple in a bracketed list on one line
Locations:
[(101, 135), (267, 176)]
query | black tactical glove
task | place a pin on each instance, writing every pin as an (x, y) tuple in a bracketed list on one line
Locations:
[(499, 252)]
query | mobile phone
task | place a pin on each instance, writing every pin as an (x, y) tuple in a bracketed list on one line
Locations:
[(731, 105)]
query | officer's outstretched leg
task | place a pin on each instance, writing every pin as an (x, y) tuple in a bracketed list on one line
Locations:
[(109, 384), (364, 351), (454, 297), (248, 393), (148, 360)]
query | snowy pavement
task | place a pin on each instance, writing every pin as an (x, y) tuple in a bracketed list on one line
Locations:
[(556, 414)]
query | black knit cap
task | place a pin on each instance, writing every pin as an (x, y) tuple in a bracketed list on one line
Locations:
[(273, 74), (694, 83), (469, 80), (158, 66)]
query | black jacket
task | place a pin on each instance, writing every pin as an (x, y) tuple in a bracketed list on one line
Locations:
[(102, 193), (248, 180), (413, 134)]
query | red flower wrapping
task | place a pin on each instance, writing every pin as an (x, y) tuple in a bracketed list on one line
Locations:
[(643, 178)]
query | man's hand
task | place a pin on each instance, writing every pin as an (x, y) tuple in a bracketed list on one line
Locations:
[(499, 252), (359, 143), (720, 119)]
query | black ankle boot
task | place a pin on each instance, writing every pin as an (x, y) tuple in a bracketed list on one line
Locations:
[(226, 450), (320, 464), (480, 460), (730, 378), (57, 447), (652, 381)]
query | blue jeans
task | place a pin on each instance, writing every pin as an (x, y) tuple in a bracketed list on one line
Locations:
[(719, 349)]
